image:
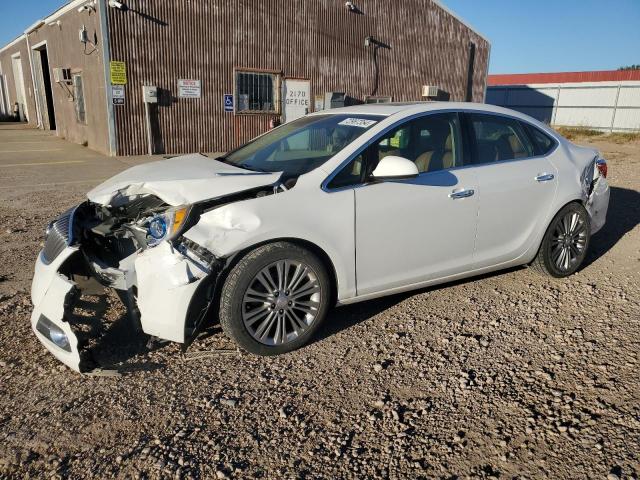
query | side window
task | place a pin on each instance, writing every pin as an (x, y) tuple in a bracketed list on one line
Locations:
[(499, 138), (349, 175), (78, 98), (438, 142), (433, 142), (543, 143), (397, 142)]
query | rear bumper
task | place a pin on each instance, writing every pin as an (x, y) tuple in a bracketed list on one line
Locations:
[(598, 204), (165, 281)]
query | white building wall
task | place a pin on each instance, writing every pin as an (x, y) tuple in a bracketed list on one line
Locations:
[(609, 106)]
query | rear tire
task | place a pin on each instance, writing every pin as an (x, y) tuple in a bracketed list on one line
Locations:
[(275, 298), (566, 242)]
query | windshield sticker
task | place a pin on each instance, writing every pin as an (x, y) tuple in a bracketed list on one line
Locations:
[(358, 122)]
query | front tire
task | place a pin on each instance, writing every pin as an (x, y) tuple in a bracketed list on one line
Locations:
[(275, 298), (565, 244)]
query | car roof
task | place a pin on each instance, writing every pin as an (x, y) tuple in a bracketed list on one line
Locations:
[(388, 109)]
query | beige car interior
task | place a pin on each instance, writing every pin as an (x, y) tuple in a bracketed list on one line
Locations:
[(437, 149)]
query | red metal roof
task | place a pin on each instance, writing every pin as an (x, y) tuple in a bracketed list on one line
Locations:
[(564, 77)]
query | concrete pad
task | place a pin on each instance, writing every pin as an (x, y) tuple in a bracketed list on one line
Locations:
[(32, 159)]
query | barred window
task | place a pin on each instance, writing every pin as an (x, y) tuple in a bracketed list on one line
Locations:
[(78, 98), (257, 92)]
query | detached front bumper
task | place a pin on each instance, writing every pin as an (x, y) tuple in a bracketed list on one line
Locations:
[(52, 295), (165, 282)]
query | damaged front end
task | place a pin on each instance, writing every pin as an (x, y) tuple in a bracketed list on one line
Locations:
[(134, 245)]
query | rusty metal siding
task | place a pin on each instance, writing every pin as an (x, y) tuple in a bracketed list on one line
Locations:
[(7, 70), (64, 50), (163, 40)]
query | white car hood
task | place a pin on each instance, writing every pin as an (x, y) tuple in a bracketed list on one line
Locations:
[(180, 180)]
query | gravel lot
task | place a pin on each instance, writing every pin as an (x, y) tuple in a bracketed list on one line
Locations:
[(510, 375)]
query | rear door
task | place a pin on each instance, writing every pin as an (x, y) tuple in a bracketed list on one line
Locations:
[(516, 187)]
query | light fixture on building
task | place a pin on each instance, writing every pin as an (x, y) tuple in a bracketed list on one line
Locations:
[(118, 5), (352, 7), (369, 41), (89, 6)]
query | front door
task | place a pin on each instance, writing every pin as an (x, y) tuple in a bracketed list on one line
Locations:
[(414, 230), (296, 98)]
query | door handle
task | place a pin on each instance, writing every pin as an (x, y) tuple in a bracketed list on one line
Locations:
[(461, 194), (545, 177)]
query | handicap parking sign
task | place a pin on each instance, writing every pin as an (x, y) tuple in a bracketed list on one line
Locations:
[(228, 102)]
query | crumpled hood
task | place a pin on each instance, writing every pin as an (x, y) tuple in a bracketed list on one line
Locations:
[(180, 180)]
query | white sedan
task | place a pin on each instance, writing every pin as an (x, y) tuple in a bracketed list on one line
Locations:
[(334, 208)]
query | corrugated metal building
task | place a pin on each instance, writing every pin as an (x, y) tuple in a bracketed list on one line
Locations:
[(224, 69), (601, 100)]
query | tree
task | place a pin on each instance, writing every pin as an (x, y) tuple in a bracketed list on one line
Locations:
[(630, 67)]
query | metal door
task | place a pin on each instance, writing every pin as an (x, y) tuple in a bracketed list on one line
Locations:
[(21, 97), (296, 98), (39, 89)]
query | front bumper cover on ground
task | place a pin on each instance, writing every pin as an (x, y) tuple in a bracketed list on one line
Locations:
[(166, 283), (53, 295)]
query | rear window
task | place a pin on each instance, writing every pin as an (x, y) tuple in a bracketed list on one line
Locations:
[(542, 142)]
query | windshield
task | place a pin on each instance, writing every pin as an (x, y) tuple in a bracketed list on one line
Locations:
[(302, 145)]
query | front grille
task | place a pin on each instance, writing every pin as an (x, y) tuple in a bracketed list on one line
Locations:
[(59, 237)]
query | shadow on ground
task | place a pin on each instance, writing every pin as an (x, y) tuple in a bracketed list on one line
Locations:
[(622, 217)]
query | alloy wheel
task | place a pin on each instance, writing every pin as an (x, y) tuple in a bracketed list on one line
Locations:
[(568, 241), (281, 302)]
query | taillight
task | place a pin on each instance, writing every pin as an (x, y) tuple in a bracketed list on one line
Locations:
[(601, 164)]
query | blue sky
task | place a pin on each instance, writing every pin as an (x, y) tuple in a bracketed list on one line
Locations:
[(526, 35), (530, 36)]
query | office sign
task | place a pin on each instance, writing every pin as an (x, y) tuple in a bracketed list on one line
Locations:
[(296, 98)]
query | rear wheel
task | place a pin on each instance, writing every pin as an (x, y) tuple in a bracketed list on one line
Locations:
[(565, 244), (275, 299)]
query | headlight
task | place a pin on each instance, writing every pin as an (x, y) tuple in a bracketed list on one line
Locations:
[(166, 225)]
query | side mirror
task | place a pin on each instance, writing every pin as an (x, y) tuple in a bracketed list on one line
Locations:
[(392, 167)]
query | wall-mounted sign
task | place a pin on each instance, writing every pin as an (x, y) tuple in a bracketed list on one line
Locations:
[(228, 102), (296, 98), (117, 94), (189, 88), (118, 73)]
